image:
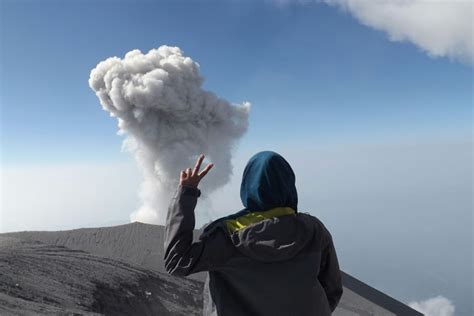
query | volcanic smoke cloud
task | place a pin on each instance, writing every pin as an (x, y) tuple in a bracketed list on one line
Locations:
[(168, 120)]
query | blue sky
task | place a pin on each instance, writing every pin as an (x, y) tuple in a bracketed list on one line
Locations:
[(312, 68), (379, 132)]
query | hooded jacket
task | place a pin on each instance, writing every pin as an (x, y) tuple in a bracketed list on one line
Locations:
[(267, 259)]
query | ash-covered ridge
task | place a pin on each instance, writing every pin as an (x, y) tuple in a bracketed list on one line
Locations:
[(136, 243)]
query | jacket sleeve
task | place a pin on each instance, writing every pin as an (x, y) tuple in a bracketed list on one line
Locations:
[(330, 274), (182, 255)]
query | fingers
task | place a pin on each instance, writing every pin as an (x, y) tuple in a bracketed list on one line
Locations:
[(198, 164), (190, 174), (206, 170)]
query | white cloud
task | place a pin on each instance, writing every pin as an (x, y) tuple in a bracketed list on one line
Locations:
[(436, 306), (442, 28)]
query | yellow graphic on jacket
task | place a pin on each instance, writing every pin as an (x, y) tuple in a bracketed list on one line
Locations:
[(243, 221)]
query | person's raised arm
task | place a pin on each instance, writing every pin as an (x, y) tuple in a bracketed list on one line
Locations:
[(182, 256)]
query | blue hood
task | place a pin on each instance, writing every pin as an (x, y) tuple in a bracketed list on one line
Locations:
[(268, 181)]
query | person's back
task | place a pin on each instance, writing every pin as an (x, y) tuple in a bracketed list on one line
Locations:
[(267, 259)]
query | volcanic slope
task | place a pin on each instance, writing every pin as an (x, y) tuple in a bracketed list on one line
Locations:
[(42, 279), (135, 243)]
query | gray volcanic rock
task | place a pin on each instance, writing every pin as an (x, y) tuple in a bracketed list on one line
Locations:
[(137, 243), (36, 278)]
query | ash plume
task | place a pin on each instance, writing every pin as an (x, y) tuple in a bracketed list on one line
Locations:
[(168, 119)]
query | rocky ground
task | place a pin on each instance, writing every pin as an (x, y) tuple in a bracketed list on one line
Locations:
[(39, 278)]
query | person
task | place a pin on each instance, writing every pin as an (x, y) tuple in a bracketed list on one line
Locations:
[(267, 259)]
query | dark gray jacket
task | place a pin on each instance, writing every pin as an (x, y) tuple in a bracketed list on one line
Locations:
[(280, 265)]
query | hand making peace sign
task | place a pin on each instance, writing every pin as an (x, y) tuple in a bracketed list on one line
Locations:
[(192, 178)]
